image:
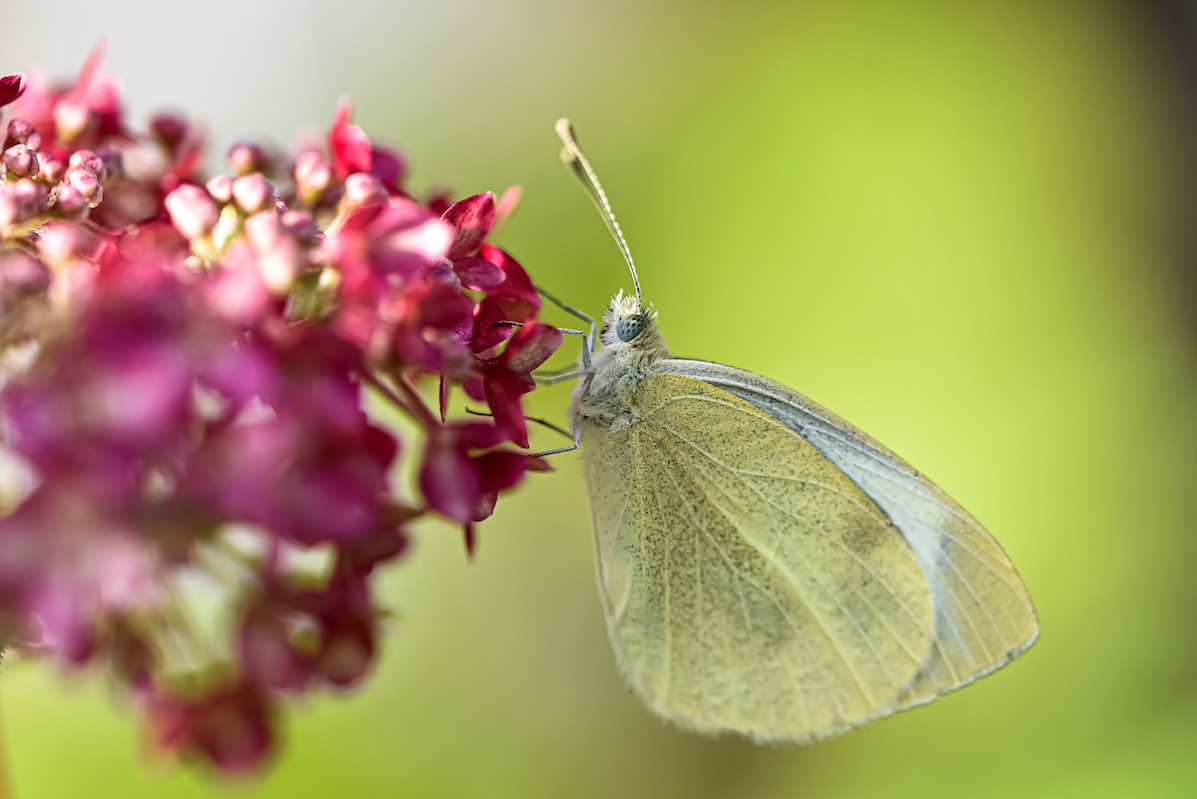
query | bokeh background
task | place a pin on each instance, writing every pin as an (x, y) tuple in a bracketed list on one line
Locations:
[(968, 228)]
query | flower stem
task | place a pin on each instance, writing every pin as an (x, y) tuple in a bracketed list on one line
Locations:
[(410, 403)]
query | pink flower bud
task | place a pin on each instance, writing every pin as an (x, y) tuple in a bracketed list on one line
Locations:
[(11, 87), (87, 183), (70, 119), (52, 169), (220, 188), (72, 203), (168, 129), (263, 229), (192, 211), (20, 202), (269, 655), (362, 190), (87, 160), (247, 157), (21, 161), (253, 193), (279, 257), (21, 131), (313, 175), (231, 727), (301, 225), (60, 243), (347, 655)]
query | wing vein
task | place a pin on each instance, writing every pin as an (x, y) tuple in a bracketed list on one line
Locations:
[(796, 583), (946, 533), (830, 538), (827, 429), (769, 594)]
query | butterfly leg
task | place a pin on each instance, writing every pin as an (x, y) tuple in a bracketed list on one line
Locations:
[(577, 435), (590, 342), (571, 372)]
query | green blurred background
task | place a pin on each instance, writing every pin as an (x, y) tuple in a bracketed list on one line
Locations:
[(968, 228)]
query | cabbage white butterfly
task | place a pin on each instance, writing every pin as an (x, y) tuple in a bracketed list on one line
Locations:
[(765, 567)]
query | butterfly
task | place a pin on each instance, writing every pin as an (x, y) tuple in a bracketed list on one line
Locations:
[(765, 567)]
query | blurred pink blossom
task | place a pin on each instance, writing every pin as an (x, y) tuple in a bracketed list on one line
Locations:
[(191, 401)]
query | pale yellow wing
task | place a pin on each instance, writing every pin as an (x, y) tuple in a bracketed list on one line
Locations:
[(749, 585), (983, 613)]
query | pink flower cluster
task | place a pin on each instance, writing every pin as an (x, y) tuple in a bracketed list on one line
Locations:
[(183, 364)]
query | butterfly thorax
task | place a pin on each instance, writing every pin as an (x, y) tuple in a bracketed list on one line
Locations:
[(618, 366)]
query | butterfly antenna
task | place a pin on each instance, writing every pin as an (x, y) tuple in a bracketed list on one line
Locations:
[(572, 155)]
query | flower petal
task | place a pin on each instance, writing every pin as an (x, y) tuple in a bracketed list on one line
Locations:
[(348, 143), (471, 219), (388, 166), (531, 346), (503, 391), (477, 273), (449, 479), (487, 332), (516, 294), (11, 87)]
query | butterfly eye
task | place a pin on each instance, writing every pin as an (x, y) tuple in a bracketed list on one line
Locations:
[(628, 327)]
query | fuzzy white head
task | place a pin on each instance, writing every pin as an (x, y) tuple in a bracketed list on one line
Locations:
[(625, 324)]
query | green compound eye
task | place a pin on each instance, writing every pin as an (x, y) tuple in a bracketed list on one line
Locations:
[(628, 327)]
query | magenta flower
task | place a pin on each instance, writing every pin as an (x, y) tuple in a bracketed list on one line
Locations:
[(187, 361), (11, 88)]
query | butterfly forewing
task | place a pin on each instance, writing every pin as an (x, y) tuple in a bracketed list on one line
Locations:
[(748, 583), (983, 613)]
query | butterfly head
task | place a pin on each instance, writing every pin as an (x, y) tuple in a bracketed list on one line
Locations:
[(627, 324)]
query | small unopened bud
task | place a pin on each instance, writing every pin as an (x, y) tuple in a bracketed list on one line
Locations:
[(70, 119), (20, 161), (33, 196), (52, 169), (21, 131), (12, 87), (86, 159), (253, 193), (300, 224), (263, 229), (220, 188), (59, 243), (21, 202), (192, 211), (168, 129), (362, 189), (71, 203), (313, 174), (278, 254), (247, 157), (87, 183)]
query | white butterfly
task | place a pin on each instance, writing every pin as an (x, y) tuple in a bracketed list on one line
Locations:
[(764, 566)]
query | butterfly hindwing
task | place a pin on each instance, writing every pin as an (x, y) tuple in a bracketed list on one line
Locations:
[(983, 613), (748, 583)]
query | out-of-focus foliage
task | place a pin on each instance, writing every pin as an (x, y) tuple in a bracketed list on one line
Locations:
[(967, 230)]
